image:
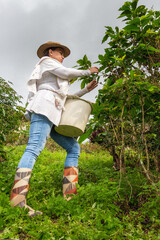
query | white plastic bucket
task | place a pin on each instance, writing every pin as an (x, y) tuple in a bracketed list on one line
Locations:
[(74, 117)]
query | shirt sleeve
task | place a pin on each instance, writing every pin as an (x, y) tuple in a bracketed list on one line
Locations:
[(69, 73), (81, 92)]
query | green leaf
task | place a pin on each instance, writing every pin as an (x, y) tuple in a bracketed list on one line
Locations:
[(154, 49), (153, 89), (119, 59), (134, 4), (132, 28), (127, 14), (126, 6), (101, 57), (156, 64), (108, 33), (80, 62), (120, 81), (135, 21), (109, 29), (85, 59), (83, 84), (85, 135), (105, 38), (109, 82)]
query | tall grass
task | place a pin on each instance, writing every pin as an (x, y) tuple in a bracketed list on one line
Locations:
[(103, 208)]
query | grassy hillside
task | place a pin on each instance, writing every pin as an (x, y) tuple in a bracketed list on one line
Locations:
[(108, 206)]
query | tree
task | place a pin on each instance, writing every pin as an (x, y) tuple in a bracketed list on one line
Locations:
[(10, 111), (129, 103)]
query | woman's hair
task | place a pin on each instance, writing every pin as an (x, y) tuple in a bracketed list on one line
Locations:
[(46, 52)]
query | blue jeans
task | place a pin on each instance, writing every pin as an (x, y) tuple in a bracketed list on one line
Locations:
[(40, 129)]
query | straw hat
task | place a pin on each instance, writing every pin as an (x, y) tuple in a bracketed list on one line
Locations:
[(43, 47)]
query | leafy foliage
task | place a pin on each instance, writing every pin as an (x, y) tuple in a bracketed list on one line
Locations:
[(128, 105), (10, 111), (101, 210), (84, 63)]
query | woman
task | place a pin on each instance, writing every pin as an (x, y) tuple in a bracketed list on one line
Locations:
[(48, 89)]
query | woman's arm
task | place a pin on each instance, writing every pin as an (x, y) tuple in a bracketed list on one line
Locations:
[(70, 73), (81, 92), (90, 86)]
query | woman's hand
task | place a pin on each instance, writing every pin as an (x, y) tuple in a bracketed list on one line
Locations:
[(93, 84), (93, 70)]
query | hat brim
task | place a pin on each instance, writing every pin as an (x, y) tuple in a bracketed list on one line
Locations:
[(43, 47)]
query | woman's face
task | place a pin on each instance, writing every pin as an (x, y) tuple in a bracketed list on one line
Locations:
[(57, 54)]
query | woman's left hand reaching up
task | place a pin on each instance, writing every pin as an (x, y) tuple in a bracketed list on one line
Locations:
[(93, 84)]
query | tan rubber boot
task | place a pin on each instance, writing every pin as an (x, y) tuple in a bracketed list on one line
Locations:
[(20, 190), (70, 178)]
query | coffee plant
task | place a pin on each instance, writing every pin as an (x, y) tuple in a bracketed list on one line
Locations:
[(128, 105), (10, 112)]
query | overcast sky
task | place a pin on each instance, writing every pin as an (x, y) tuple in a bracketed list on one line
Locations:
[(78, 24)]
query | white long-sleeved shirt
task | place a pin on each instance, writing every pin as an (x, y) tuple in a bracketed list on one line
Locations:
[(48, 88)]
